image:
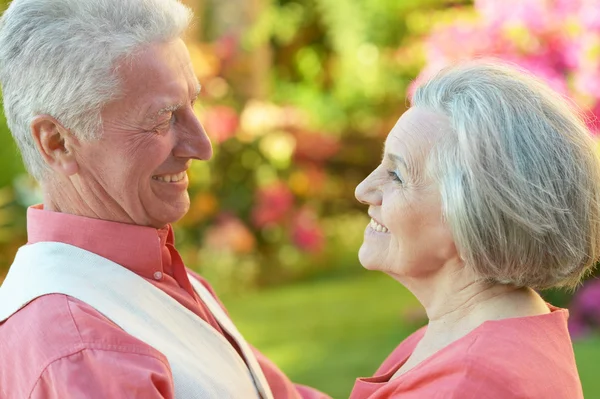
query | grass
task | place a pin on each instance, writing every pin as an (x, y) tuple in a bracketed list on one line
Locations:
[(587, 354), (325, 333)]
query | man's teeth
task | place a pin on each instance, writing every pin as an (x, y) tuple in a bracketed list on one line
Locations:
[(170, 178), (377, 227)]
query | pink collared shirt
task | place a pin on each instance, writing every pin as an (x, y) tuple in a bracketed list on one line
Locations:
[(57, 347), (518, 358)]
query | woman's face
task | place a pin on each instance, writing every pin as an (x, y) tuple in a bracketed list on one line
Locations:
[(406, 236)]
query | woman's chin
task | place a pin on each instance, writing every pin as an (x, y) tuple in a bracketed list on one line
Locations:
[(368, 259)]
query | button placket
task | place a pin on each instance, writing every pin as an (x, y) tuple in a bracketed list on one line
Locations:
[(158, 275)]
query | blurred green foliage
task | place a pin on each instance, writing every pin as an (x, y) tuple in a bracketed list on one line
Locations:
[(298, 101)]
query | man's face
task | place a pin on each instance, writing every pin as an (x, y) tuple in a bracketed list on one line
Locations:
[(137, 169)]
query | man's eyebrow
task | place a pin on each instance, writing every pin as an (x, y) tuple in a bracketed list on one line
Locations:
[(175, 107), (169, 108), (198, 90)]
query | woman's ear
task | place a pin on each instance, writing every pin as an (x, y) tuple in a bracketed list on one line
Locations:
[(55, 144)]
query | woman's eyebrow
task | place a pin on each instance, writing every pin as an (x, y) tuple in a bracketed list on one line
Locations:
[(407, 164), (398, 160)]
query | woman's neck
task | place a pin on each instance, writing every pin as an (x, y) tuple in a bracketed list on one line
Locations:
[(456, 301), (470, 308)]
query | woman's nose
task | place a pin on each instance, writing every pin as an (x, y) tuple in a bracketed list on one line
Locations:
[(367, 191)]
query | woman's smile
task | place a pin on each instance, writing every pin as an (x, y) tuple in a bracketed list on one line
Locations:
[(378, 227)]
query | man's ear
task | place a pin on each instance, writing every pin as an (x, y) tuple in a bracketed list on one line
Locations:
[(55, 144)]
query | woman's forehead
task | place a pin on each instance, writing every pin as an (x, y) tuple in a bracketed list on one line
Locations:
[(417, 130)]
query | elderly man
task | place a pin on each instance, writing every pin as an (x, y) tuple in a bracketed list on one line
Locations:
[(99, 97)]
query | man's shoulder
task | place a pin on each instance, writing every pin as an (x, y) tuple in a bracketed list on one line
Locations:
[(53, 327)]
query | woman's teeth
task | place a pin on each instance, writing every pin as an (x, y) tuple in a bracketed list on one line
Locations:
[(170, 178), (377, 227)]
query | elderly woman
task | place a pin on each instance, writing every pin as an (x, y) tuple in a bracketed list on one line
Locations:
[(99, 96), (489, 189)]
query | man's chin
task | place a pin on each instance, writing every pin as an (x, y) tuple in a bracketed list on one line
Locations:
[(169, 216)]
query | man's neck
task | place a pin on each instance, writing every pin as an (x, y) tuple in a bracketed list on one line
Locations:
[(62, 196)]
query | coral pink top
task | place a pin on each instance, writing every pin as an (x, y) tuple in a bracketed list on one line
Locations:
[(526, 357), (59, 347)]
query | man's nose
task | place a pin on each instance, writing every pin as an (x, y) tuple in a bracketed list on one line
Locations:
[(192, 140)]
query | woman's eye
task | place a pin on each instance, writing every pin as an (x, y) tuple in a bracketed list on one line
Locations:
[(395, 176)]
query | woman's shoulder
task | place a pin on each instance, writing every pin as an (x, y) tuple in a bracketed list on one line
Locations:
[(544, 336), (521, 357), (516, 342), (401, 352)]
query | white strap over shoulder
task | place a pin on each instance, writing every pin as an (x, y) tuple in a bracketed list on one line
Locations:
[(203, 362), (229, 327)]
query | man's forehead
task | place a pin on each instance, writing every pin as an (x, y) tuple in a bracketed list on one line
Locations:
[(167, 105), (174, 106)]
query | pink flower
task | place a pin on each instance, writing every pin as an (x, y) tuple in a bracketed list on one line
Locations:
[(588, 13), (555, 40), (582, 51), (315, 147), (461, 40), (230, 234), (307, 234), (585, 309), (587, 82), (221, 123), (593, 119), (542, 67), (535, 15), (226, 47), (527, 33), (273, 204)]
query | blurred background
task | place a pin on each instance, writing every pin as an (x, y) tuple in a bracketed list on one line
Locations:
[(298, 98)]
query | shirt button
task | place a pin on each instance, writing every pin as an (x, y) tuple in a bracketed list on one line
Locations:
[(158, 276)]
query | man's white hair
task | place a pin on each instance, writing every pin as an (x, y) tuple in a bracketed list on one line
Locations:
[(59, 57), (519, 175)]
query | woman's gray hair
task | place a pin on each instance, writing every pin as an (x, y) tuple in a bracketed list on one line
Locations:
[(519, 175), (59, 57)]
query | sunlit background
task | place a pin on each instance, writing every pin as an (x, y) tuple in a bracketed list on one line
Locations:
[(298, 97)]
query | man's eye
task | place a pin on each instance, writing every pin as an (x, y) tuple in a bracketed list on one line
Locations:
[(164, 125), (158, 129), (395, 176)]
